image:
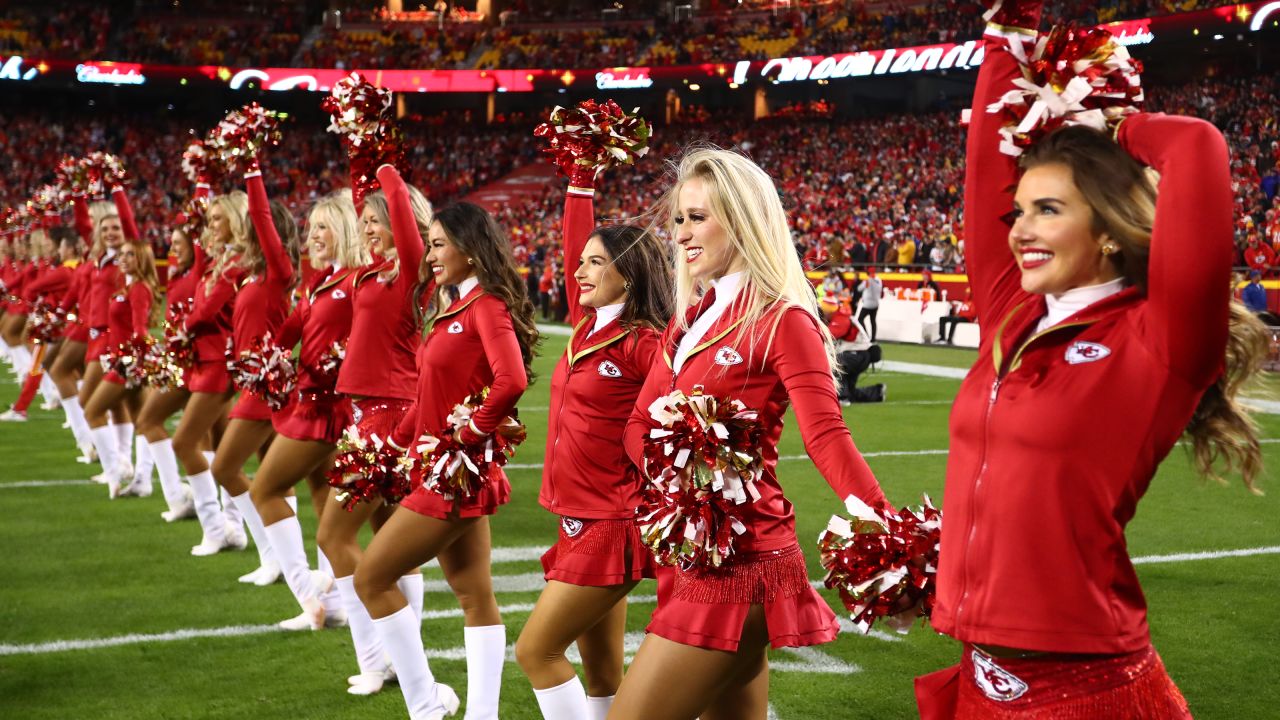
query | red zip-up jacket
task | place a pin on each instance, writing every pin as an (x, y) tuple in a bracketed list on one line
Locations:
[(1056, 435), (794, 372), (384, 331), (52, 283), (262, 301), (470, 346), (586, 473), (129, 314), (107, 279), (321, 318)]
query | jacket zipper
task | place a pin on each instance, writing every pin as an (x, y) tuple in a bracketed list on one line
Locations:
[(973, 495)]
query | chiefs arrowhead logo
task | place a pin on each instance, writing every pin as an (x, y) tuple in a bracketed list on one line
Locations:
[(455, 328), (608, 369), (338, 294), (571, 526), (728, 356), (994, 681), (1086, 352)]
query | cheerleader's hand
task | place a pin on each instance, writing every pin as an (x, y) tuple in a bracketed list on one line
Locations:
[(1023, 14)]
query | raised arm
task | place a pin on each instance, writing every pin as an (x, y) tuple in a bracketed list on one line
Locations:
[(800, 360), (576, 226), (125, 210), (404, 227), (502, 350), (279, 268), (1189, 270), (990, 175), (83, 221)]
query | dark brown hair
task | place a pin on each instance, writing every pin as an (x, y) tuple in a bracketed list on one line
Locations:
[(645, 267), (286, 228)]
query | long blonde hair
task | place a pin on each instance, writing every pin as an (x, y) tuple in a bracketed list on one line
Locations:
[(235, 207), (99, 211), (422, 215), (1122, 195), (339, 213), (745, 202)]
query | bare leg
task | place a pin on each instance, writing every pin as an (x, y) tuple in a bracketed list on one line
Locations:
[(159, 407), (202, 413), (107, 396), (710, 680), (593, 616), (67, 367), (93, 373), (287, 462), (242, 439), (338, 534)]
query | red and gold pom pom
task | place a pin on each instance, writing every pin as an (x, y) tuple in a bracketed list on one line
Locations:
[(361, 114), (44, 207), (105, 171), (367, 469), (46, 323), (200, 164), (171, 358), (1073, 76), (453, 468), (264, 369), (585, 140), (331, 362), (883, 563), (72, 178), (129, 360), (702, 462), (191, 220), (236, 142)]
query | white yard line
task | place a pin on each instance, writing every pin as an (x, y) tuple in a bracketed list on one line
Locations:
[(923, 369)]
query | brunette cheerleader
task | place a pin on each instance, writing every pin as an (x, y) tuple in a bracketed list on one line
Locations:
[(1086, 382), (267, 261), (619, 299), (128, 318), (378, 376), (45, 289), (168, 401), (309, 427), (482, 339), (755, 337)]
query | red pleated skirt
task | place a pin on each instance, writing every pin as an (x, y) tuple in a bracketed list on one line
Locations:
[(1132, 686), (495, 492), (250, 407), (314, 417), (77, 332), (97, 344), (597, 553), (707, 607), (208, 377)]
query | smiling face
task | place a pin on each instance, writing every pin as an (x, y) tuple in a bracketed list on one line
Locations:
[(377, 235), (1053, 238), (129, 260), (599, 282), (704, 242), (445, 261), (111, 231), (219, 225), (322, 246), (181, 250)]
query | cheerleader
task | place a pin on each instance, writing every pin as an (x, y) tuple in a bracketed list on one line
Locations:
[(483, 338), (46, 291), (69, 366), (21, 270), (267, 261), (129, 318), (619, 299), (168, 401), (1101, 327), (208, 380), (307, 430), (378, 376), (755, 337), (114, 228)]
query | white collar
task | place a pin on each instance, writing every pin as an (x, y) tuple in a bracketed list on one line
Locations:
[(727, 287), (1061, 307), (606, 315), (466, 286)]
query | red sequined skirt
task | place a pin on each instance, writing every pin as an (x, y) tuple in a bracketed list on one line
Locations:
[(1133, 686), (597, 553), (378, 416), (77, 332), (314, 417), (250, 407), (707, 607), (208, 377)]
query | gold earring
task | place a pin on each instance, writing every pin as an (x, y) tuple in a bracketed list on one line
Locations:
[(626, 286), (470, 261), (1110, 248)]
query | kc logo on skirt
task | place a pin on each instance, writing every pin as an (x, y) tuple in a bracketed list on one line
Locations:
[(571, 526), (994, 681)]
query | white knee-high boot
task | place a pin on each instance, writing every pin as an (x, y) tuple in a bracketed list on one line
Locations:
[(598, 707), (401, 634), (266, 557), (176, 495), (212, 520), (486, 653), (367, 640), (412, 587), (335, 609), (75, 416), (566, 701)]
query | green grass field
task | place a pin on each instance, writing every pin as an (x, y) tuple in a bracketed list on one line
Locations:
[(93, 592)]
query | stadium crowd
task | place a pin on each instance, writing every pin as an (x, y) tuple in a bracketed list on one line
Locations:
[(263, 34)]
